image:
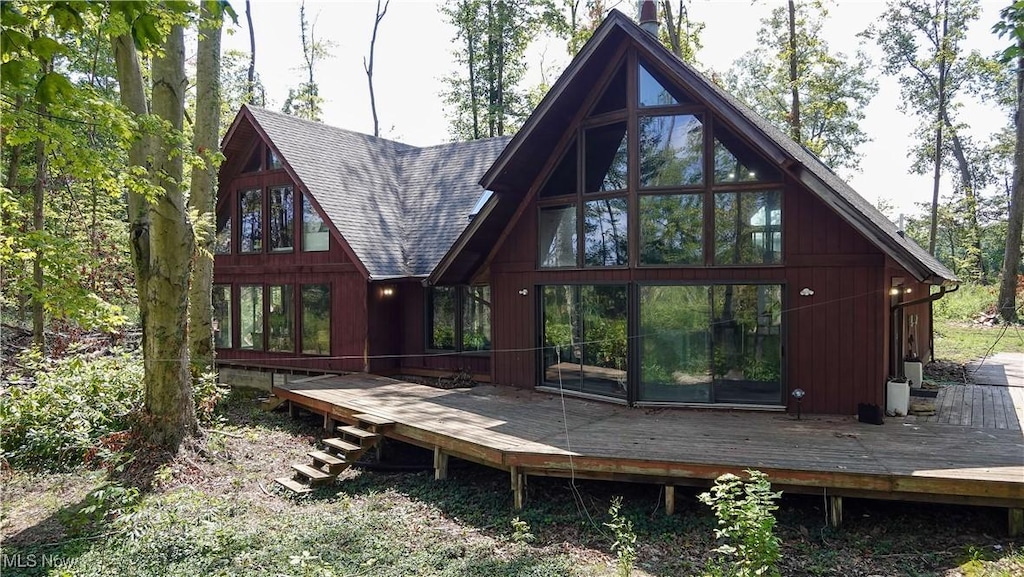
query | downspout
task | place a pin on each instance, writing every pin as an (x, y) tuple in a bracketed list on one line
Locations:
[(930, 299)]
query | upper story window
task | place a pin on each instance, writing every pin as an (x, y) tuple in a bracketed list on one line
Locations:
[(314, 229), (281, 219), (250, 212), (262, 158), (660, 172)]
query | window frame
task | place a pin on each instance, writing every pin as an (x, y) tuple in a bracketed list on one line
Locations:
[(459, 302)]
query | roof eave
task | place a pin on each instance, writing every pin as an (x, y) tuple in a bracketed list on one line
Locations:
[(460, 243)]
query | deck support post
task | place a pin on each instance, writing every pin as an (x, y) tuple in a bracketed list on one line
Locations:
[(518, 480), (670, 499), (328, 423), (293, 410), (835, 510), (440, 464), (1015, 522)]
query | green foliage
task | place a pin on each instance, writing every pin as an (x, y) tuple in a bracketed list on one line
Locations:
[(746, 524), (73, 404), (108, 503), (834, 88), (964, 305), (521, 531), (79, 411), (1011, 26), (625, 544)]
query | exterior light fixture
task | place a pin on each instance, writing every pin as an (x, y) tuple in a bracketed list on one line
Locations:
[(523, 292), (894, 291), (806, 292), (798, 394), (387, 291), (909, 290)]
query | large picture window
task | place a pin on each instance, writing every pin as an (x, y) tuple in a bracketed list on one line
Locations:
[(250, 317), (281, 318), (672, 229), (316, 319), (604, 231), (671, 151), (748, 228), (459, 318), (221, 321)]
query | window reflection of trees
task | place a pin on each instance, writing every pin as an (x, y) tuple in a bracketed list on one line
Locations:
[(604, 228), (671, 151)]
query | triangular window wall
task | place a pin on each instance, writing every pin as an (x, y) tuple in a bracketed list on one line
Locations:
[(653, 90), (735, 161)]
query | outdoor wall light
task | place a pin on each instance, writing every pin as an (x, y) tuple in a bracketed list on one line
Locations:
[(894, 291), (523, 292), (798, 394), (909, 290), (387, 291), (806, 292)]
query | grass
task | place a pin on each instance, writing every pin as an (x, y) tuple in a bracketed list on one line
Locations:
[(213, 513), (961, 343)]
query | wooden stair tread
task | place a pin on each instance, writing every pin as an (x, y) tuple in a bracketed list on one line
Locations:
[(342, 445), (358, 433), (314, 475), (325, 458), (373, 420), (292, 485)]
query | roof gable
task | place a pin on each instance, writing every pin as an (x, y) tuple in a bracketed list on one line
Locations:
[(519, 165), (398, 207)]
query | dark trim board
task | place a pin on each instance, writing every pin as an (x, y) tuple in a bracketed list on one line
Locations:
[(524, 432)]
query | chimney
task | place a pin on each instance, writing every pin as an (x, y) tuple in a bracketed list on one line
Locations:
[(649, 17)]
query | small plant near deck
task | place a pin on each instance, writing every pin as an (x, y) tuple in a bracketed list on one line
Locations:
[(746, 524), (625, 538), (521, 531)]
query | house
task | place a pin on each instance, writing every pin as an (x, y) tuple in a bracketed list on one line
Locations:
[(644, 239)]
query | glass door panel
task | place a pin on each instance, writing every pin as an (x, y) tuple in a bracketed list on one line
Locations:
[(747, 344), (562, 352), (675, 342), (605, 344)]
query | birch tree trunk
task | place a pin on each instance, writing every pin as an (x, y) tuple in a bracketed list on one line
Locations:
[(203, 194)]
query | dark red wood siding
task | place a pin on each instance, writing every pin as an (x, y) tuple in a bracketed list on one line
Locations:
[(332, 267), (835, 339)]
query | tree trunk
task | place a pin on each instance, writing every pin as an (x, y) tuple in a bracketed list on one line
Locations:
[(168, 396), (368, 67), (252, 56), (941, 113), (1012, 256), (471, 48), (974, 264), (161, 243), (794, 120), (38, 197), (203, 195)]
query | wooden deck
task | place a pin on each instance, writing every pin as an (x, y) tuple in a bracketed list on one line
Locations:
[(978, 407), (530, 433)]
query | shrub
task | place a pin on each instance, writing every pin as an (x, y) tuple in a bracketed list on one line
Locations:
[(74, 403), (80, 408), (966, 303), (745, 524), (625, 538)]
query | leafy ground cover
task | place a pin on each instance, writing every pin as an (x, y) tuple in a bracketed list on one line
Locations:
[(212, 511)]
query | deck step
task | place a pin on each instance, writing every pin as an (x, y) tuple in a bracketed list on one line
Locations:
[(376, 424), (334, 464), (293, 485), (365, 438), (342, 446), (315, 476), (272, 403)]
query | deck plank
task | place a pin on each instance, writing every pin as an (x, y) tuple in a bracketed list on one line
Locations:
[(1000, 400)]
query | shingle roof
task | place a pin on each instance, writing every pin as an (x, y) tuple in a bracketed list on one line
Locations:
[(399, 207)]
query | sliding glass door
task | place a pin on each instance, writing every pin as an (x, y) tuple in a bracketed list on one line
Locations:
[(585, 344), (695, 344)]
